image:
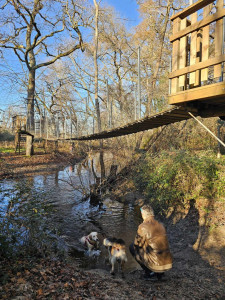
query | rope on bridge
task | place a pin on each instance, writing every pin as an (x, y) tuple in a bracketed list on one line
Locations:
[(172, 115)]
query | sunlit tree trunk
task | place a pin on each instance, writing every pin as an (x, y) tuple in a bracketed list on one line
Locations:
[(96, 65), (96, 86), (30, 101)]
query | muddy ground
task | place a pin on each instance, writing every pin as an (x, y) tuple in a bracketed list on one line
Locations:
[(16, 166), (197, 241)]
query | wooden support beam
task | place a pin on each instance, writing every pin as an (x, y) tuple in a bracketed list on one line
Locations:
[(191, 9), (211, 91), (218, 38), (193, 48), (199, 58), (210, 19), (175, 56), (198, 66), (183, 55), (205, 43)]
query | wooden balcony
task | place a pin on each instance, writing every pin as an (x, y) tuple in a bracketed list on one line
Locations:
[(198, 55)]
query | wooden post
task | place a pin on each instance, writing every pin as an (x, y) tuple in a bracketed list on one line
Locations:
[(218, 39), (72, 148), (205, 43), (19, 141), (223, 50), (29, 145), (16, 142), (56, 146), (175, 56), (183, 55), (193, 49)]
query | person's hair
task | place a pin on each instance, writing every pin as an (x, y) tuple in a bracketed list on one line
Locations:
[(148, 209)]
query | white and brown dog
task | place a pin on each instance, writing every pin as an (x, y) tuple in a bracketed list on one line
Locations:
[(117, 253), (90, 241)]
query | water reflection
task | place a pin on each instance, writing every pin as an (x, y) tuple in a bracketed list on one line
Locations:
[(78, 212)]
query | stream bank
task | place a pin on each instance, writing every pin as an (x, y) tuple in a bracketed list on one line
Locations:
[(195, 275)]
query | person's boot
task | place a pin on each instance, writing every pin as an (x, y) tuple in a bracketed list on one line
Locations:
[(159, 276), (149, 276)]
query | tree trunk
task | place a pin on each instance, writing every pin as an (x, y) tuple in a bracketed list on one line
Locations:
[(161, 41), (96, 66), (96, 86), (30, 101), (31, 63)]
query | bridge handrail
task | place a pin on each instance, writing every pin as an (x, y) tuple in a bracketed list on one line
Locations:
[(198, 25), (192, 9)]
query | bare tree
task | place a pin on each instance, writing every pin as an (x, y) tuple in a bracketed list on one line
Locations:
[(33, 31)]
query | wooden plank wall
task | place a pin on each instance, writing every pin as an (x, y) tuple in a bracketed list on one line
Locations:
[(187, 26), (218, 39)]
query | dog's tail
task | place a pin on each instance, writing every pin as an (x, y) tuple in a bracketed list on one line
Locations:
[(107, 242)]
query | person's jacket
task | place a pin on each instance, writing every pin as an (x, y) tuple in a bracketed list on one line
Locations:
[(151, 246)]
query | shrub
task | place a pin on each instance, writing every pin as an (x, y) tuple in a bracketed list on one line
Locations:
[(24, 224), (6, 136), (170, 179)]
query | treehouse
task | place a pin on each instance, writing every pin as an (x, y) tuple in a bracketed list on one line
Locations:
[(197, 78), (19, 122)]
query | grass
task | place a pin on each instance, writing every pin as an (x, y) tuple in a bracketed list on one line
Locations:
[(7, 150)]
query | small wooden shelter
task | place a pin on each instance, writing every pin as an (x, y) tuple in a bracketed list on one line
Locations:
[(19, 122), (198, 57), (22, 137)]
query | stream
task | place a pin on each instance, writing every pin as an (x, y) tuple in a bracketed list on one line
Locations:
[(68, 191)]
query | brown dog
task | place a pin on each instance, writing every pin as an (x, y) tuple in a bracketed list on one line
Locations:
[(117, 253)]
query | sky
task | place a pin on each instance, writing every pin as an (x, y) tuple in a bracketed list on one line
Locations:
[(128, 11)]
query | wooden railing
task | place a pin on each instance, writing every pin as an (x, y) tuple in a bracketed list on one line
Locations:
[(198, 52)]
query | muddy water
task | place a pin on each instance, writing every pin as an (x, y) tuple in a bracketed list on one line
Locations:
[(76, 216)]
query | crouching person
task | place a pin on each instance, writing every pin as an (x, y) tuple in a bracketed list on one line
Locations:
[(151, 247)]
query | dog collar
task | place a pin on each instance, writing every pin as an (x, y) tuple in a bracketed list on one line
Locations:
[(89, 241)]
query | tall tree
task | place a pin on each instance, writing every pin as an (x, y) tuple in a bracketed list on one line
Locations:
[(39, 33), (96, 63), (153, 36)]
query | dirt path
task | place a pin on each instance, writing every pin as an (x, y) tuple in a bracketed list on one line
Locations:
[(15, 166)]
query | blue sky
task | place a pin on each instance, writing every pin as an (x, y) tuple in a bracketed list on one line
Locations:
[(127, 9)]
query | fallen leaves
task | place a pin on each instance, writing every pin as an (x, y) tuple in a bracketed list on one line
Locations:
[(46, 279)]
